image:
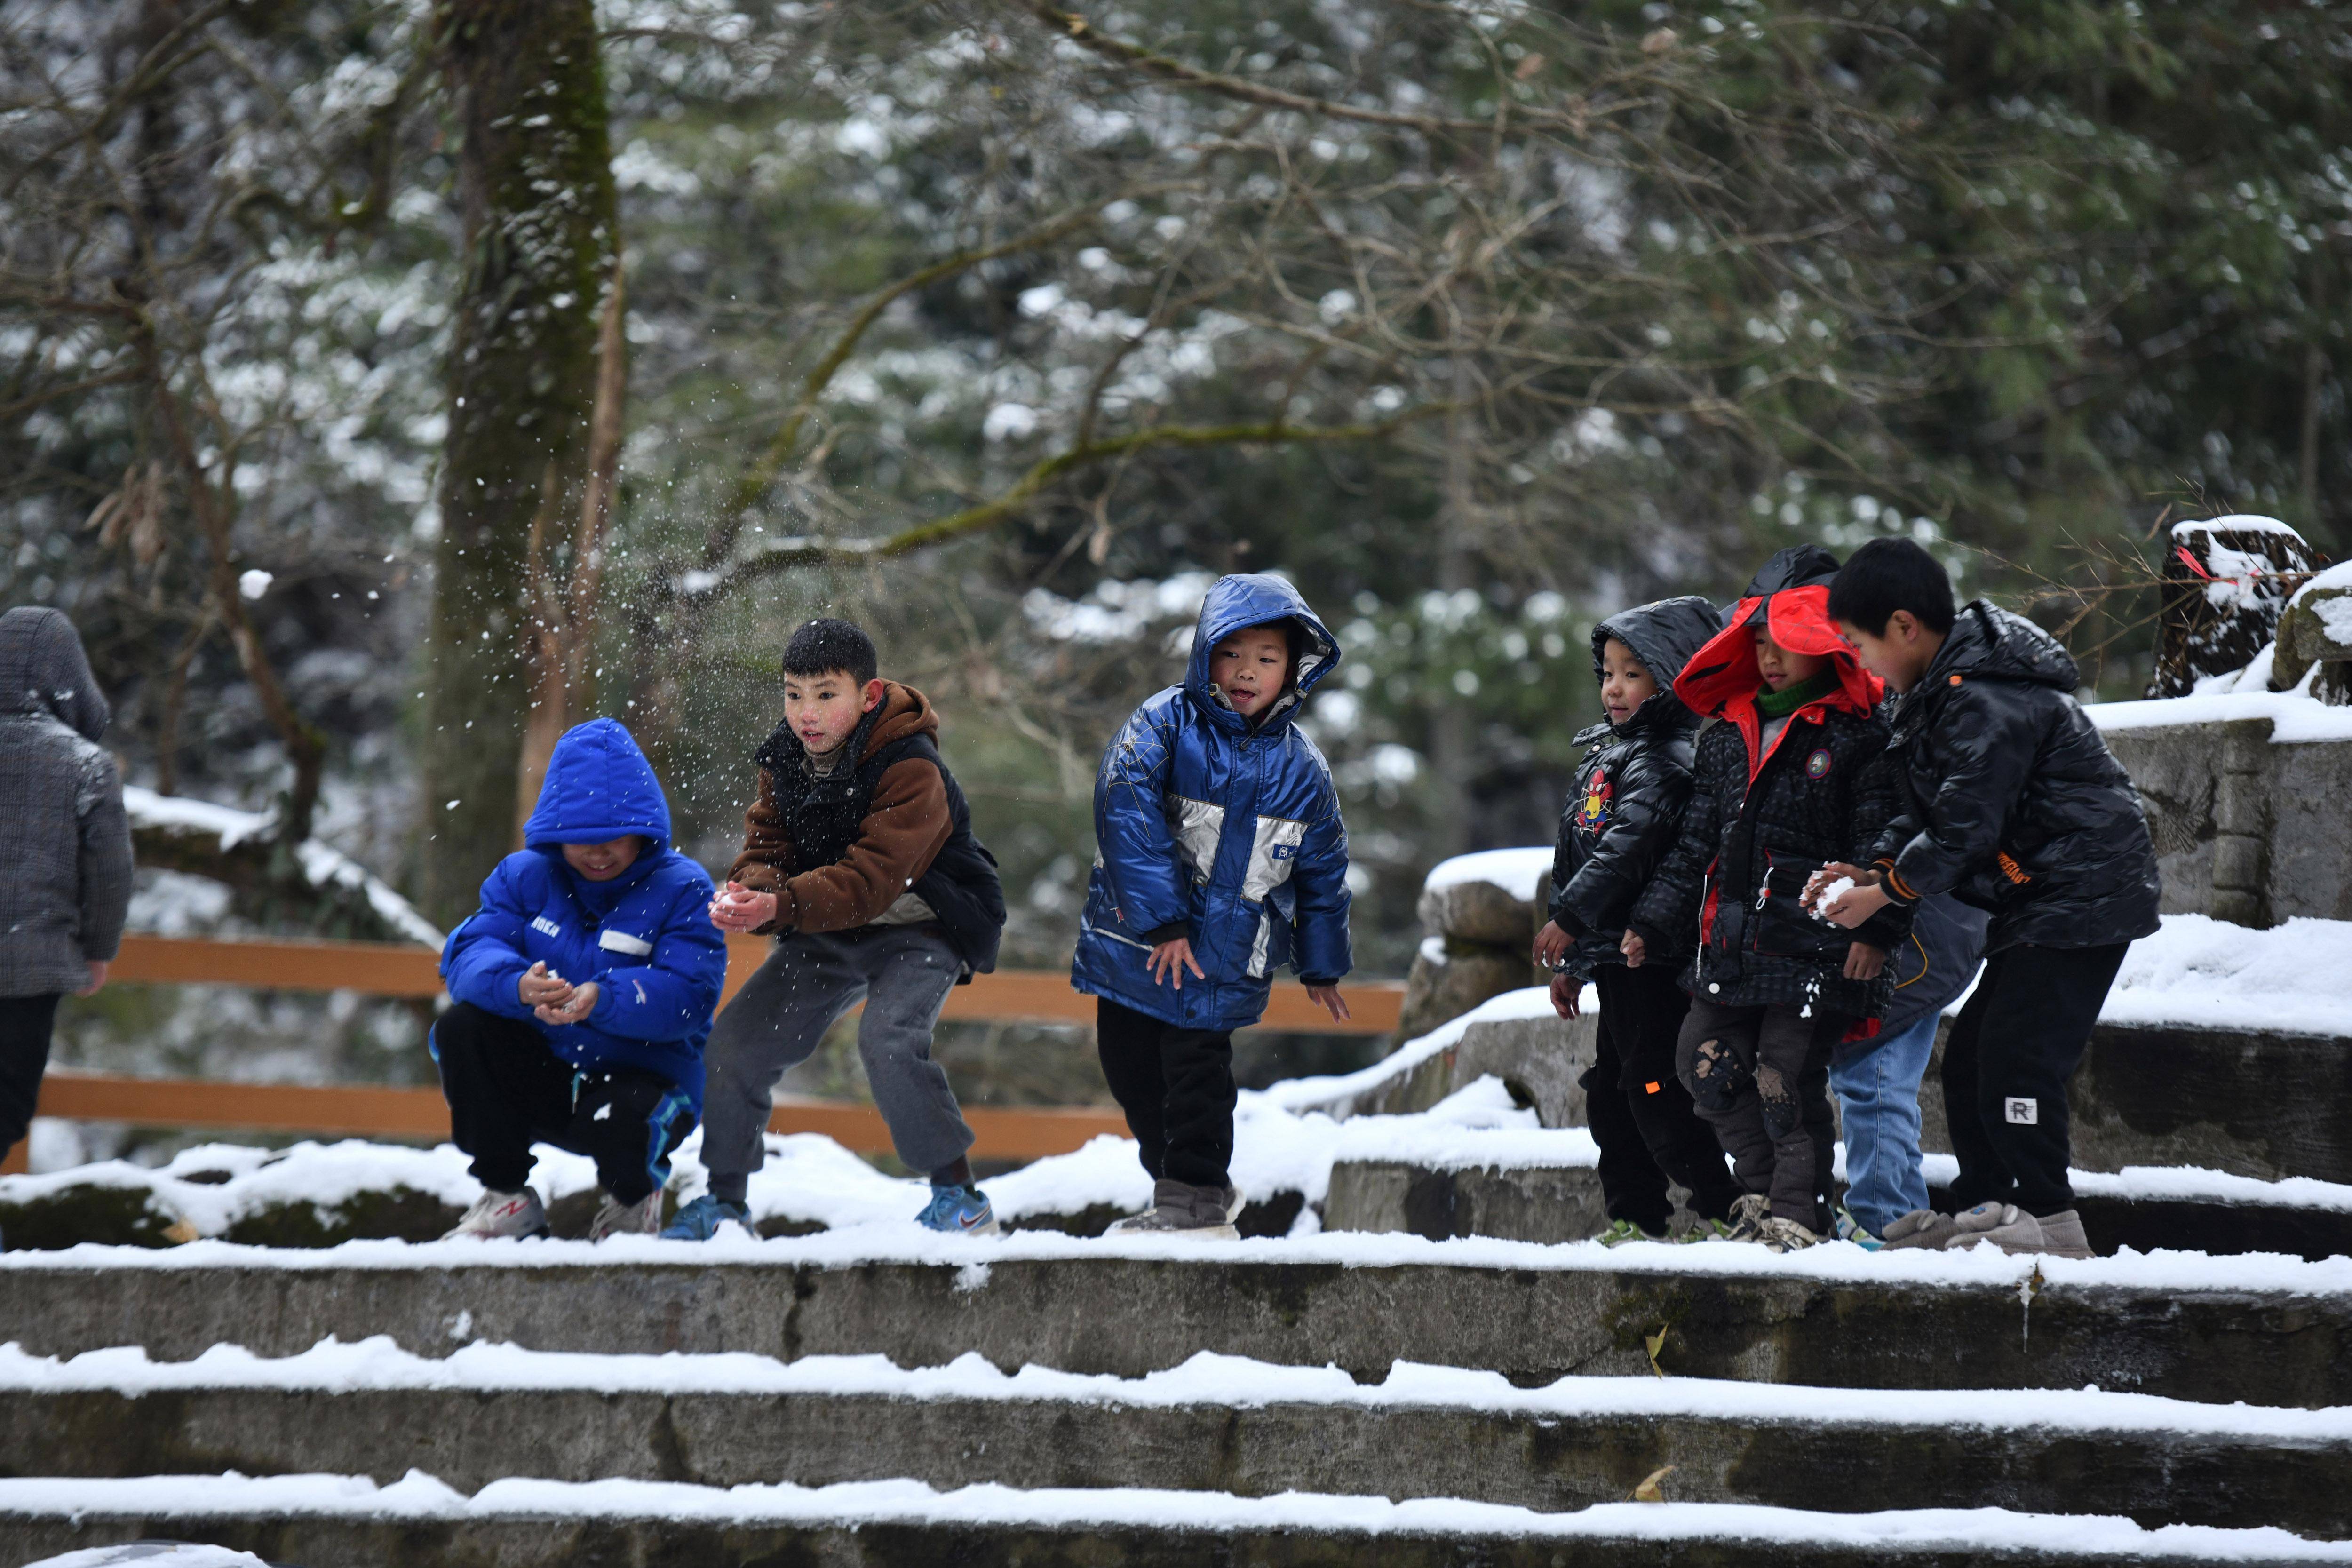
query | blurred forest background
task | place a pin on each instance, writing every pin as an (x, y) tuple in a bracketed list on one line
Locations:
[(385, 385)]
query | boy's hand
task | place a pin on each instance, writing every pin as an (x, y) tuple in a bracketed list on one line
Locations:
[(97, 977), (1636, 950), (1327, 997), (1567, 994), (1167, 957), (738, 908), (1551, 946), (573, 1009), (538, 988), (1863, 962), (1853, 906)]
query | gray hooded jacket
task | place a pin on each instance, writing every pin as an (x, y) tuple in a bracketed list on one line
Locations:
[(65, 882)]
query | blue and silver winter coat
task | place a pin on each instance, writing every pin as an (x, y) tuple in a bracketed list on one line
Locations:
[(645, 937), (1209, 826)]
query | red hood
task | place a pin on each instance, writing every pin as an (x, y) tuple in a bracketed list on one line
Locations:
[(1721, 680)]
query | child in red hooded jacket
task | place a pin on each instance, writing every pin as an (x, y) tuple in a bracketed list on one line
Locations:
[(1793, 778)]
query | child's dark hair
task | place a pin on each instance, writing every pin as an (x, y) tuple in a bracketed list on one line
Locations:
[(1886, 575), (829, 646)]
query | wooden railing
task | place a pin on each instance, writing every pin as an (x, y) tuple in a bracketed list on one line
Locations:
[(394, 970)]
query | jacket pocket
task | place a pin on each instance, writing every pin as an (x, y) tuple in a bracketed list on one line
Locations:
[(1781, 928)]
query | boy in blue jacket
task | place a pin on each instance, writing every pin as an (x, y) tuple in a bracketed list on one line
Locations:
[(584, 988), (1219, 856)]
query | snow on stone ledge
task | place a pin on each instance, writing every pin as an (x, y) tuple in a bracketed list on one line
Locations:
[(2208, 974), (2293, 716), (1515, 872), (321, 865)]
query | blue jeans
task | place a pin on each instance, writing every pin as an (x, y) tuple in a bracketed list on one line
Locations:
[(1878, 1111)]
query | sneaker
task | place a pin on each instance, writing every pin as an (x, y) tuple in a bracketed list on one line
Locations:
[(1234, 1203), (1704, 1230), (700, 1220), (2062, 1235), (2006, 1226), (1179, 1208), (1622, 1231), (501, 1216), (959, 1211), (614, 1217), (1748, 1213), (1919, 1228), (1848, 1228), (1778, 1234)]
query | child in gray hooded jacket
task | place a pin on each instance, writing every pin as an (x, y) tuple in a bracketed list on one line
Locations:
[(65, 884)]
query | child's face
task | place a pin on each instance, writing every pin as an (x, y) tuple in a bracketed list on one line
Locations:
[(1899, 654), (1780, 667), (824, 709), (1250, 668), (1625, 682), (602, 862)]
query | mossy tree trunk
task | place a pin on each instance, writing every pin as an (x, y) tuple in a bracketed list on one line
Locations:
[(535, 182)]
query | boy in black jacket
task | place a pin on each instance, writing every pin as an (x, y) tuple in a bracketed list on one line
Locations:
[(1628, 805), (2014, 804), (1793, 779)]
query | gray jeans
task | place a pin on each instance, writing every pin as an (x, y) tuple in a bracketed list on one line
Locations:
[(1759, 1077), (902, 973)]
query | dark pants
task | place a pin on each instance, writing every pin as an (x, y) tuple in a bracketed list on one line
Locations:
[(25, 1025), (1176, 1085), (2012, 1051), (1760, 1077), (507, 1091), (1639, 1111)]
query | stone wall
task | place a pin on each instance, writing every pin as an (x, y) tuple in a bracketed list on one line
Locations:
[(2247, 829)]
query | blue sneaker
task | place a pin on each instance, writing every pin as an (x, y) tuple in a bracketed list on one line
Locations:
[(1849, 1229), (700, 1220), (959, 1211)]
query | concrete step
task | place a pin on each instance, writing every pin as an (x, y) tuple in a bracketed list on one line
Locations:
[(2269, 1331), (339, 1522), (1215, 1424), (1544, 1187), (2270, 1104)]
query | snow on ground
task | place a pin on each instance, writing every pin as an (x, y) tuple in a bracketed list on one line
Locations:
[(154, 1555), (420, 1497), (1340, 1089), (322, 866), (1515, 872), (2295, 716), (379, 1364), (2210, 974)]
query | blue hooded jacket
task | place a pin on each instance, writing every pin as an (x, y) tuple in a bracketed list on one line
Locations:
[(1210, 827), (645, 937)]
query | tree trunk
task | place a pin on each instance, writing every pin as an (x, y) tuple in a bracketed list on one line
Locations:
[(535, 182)]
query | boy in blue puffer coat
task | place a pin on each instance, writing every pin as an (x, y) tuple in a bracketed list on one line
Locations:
[(584, 988), (1219, 856)]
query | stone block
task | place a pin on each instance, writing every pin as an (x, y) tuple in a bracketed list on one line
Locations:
[(1448, 978)]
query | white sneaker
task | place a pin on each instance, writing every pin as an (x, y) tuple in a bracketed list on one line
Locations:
[(501, 1216), (614, 1217)]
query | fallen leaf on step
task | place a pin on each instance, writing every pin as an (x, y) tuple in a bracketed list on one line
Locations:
[(1654, 1344), (182, 1231), (1649, 1491)]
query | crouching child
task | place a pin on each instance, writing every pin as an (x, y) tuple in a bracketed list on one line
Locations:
[(858, 854), (1793, 779), (1624, 815), (1220, 857), (582, 990), (2012, 802)]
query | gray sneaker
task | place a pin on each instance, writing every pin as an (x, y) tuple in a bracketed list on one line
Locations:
[(614, 1217), (501, 1216), (1921, 1228), (2061, 1234), (1179, 1208), (2006, 1226)]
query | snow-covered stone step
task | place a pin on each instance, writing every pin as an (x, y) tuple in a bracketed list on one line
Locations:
[(2270, 1330), (1543, 1185), (1213, 1424), (527, 1523)]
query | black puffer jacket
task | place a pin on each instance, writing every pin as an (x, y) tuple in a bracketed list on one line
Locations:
[(2012, 800), (1631, 787), (1825, 793)]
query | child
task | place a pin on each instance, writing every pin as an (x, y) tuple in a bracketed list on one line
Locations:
[(859, 854), (1790, 781), (2015, 805), (1876, 1080), (65, 887), (1636, 779), (1220, 855), (583, 988)]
